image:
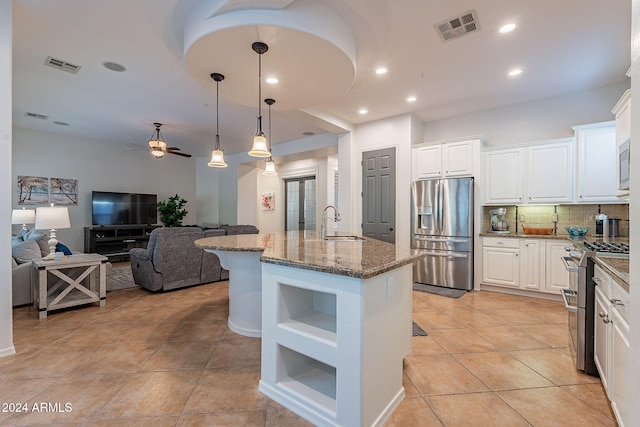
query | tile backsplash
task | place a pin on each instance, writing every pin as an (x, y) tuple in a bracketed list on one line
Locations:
[(568, 216)]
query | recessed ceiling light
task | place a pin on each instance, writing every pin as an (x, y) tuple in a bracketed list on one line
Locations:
[(363, 111), (411, 98), (515, 72), (114, 66), (272, 80), (382, 70), (507, 28)]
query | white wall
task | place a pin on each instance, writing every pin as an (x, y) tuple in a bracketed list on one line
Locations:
[(6, 314), (207, 192), (248, 189), (548, 118), (102, 167)]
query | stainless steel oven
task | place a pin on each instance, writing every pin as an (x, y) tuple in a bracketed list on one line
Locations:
[(579, 300)]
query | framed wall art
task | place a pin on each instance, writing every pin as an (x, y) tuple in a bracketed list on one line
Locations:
[(33, 190)]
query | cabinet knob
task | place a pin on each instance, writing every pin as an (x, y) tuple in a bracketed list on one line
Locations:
[(604, 317)]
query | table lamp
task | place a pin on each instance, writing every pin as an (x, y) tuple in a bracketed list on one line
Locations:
[(52, 219), (23, 216)]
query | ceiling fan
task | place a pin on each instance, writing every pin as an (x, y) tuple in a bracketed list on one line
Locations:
[(157, 145)]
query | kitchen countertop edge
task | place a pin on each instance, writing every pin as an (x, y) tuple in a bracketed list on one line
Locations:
[(616, 267)]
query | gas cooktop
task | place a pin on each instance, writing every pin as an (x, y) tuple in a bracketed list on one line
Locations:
[(606, 247)]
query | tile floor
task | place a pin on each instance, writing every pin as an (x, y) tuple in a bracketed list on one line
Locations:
[(169, 360)]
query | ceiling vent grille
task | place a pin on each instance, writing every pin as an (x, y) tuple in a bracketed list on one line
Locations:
[(36, 116), (62, 65), (458, 26)]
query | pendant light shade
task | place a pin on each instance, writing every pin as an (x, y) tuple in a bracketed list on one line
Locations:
[(217, 155), (157, 146), (259, 147), (270, 165)]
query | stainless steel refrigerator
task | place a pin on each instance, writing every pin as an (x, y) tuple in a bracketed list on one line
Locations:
[(442, 225)]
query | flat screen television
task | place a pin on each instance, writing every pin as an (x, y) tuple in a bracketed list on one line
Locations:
[(109, 208)]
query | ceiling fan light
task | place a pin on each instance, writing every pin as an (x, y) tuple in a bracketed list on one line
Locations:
[(259, 148), (270, 168), (217, 159)]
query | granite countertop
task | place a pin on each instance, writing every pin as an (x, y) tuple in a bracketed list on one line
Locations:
[(617, 267), (361, 259)]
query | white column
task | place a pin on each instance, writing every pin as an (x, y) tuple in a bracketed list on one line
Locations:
[(6, 324)]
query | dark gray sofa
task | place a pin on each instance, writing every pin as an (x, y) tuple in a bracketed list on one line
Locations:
[(171, 260)]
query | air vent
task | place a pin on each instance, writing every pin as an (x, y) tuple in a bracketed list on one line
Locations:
[(458, 26), (62, 65), (36, 116)]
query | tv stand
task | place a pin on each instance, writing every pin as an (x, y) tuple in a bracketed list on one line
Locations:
[(115, 241)]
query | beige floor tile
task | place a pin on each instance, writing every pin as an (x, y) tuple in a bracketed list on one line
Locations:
[(96, 334), (50, 362), (119, 358), (552, 335), (548, 315), (509, 338), (445, 303), (253, 418), (279, 416), (197, 331), (236, 352), (430, 320), (425, 345), (188, 355), (413, 412), (74, 399), (409, 389), (500, 371), (473, 318), (555, 365), (553, 407), (227, 389), (137, 422), (151, 394), (440, 374), (593, 395), (461, 341), (474, 409), (515, 317)]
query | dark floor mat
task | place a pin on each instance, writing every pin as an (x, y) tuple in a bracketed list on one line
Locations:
[(438, 290)]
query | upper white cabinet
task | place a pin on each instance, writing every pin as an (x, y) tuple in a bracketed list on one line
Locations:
[(541, 173), (550, 173), (449, 159), (622, 111), (504, 176), (596, 180)]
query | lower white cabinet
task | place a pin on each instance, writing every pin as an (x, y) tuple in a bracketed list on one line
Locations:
[(528, 264), (611, 335)]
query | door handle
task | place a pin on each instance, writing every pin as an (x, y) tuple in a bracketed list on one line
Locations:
[(570, 308), (565, 260), (447, 255)]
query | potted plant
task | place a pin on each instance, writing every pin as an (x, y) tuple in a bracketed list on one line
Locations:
[(172, 211)]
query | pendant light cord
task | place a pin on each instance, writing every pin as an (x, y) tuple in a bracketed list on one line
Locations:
[(259, 130), (217, 117)]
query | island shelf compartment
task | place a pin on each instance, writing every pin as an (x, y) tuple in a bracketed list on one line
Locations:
[(323, 335)]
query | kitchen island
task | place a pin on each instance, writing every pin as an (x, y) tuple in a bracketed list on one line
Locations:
[(336, 322)]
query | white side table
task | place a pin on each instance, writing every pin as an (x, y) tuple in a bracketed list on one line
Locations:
[(68, 291)]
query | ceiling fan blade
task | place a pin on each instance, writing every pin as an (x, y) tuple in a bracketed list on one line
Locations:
[(172, 148), (178, 154)]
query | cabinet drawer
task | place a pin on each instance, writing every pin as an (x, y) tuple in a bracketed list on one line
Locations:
[(501, 242), (603, 281)]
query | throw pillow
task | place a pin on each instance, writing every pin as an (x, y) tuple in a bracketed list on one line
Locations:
[(40, 238), (62, 248), (26, 251), (14, 264), (16, 240)]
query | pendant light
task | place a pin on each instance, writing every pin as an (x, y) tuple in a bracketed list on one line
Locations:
[(270, 165), (156, 143), (217, 155), (259, 148)]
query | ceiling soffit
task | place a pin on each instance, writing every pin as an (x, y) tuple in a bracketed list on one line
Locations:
[(311, 50)]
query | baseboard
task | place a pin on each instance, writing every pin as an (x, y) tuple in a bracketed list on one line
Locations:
[(9, 351), (521, 292)]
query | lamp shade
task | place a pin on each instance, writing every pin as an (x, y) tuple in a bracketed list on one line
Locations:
[(52, 218), (270, 168), (260, 148), (217, 159), (23, 216)]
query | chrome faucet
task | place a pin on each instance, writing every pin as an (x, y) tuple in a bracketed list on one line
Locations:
[(336, 218)]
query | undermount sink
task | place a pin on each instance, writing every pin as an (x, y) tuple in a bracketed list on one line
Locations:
[(344, 238)]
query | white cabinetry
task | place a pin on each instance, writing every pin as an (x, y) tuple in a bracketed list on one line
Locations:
[(596, 171), (550, 173), (504, 176), (612, 352), (622, 111), (556, 275), (501, 262), (449, 159), (527, 264), (540, 173)]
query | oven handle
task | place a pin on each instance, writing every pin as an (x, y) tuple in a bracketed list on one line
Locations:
[(570, 308), (566, 260)]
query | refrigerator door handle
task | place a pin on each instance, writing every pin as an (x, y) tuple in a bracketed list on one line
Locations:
[(440, 239), (447, 254)]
